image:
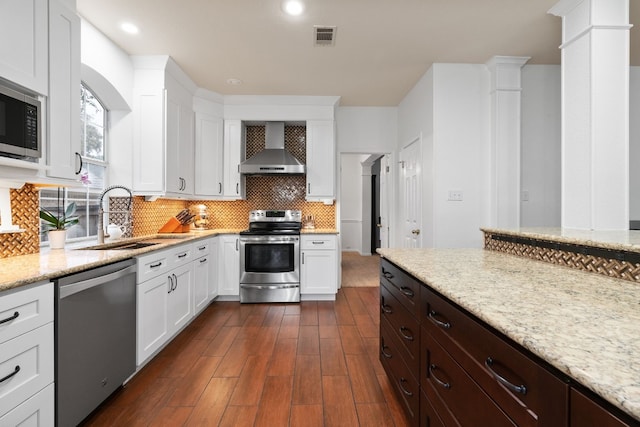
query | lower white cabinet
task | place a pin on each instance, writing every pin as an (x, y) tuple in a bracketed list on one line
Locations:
[(203, 272), (318, 266), (214, 276), (229, 266), (26, 356), (165, 302), (37, 411)]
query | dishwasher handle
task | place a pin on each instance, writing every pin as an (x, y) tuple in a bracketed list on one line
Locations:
[(74, 288)]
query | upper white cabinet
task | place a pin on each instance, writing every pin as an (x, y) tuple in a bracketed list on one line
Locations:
[(320, 160), (23, 43), (163, 152), (209, 148), (234, 154), (63, 151)]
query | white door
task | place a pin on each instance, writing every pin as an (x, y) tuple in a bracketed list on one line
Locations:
[(385, 171), (411, 194)]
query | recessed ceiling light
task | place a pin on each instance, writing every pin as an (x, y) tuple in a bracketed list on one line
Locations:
[(130, 28), (293, 7), (234, 81)]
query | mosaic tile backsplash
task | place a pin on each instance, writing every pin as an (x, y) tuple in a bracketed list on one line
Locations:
[(25, 206), (262, 192)]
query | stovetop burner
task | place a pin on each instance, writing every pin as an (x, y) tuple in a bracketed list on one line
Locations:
[(273, 222)]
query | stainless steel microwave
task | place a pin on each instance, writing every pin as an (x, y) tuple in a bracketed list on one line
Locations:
[(19, 124)]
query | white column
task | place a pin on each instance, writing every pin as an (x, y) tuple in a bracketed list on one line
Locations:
[(506, 91), (595, 113)]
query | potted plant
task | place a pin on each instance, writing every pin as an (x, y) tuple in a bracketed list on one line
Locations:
[(56, 224)]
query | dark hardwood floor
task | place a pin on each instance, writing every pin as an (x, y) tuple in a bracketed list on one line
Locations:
[(307, 364)]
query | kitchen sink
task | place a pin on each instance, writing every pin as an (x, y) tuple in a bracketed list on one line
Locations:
[(129, 245)]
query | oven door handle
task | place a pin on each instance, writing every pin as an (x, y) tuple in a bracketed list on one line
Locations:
[(270, 286)]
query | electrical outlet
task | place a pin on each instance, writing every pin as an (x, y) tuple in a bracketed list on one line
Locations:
[(455, 195), (525, 195)]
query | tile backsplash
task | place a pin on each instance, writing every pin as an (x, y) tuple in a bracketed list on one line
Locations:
[(25, 207)]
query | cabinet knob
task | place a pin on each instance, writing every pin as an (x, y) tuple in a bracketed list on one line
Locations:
[(416, 231)]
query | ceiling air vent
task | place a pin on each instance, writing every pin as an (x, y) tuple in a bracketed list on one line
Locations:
[(324, 35)]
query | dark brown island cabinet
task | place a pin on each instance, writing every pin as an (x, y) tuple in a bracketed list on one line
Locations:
[(449, 368)]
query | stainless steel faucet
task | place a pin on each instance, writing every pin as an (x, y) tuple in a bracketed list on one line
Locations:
[(101, 232)]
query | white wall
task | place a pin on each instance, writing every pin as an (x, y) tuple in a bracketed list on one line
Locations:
[(111, 72), (351, 202), (634, 144), (540, 149), (366, 129)]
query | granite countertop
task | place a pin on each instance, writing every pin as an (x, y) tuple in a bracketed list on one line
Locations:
[(49, 264), (585, 325), (625, 240)]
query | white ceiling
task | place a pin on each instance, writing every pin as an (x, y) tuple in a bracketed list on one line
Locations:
[(382, 46)]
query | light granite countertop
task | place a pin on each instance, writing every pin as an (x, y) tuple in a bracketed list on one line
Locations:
[(625, 240), (52, 263), (585, 325), (318, 231)]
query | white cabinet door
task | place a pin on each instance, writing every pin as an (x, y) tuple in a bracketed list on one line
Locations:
[(229, 279), (319, 265), (153, 322), (234, 149), (23, 43), (179, 145), (37, 411), (202, 276), (180, 302), (320, 160), (64, 148), (209, 159), (149, 141), (214, 277)]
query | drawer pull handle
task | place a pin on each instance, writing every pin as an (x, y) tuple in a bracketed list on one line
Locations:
[(10, 318), (407, 337), (401, 381), (386, 308), (156, 265), (522, 389), (317, 243), (203, 260), (438, 381), (432, 317), (15, 371), (182, 255), (384, 353), (407, 291), (202, 248), (386, 274)]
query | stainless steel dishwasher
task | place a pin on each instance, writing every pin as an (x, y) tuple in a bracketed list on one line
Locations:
[(95, 337)]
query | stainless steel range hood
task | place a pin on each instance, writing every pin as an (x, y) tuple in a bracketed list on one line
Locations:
[(274, 159)]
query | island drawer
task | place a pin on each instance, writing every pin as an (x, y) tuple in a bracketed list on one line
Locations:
[(404, 383), (24, 309), (391, 346), (524, 389), (443, 379), (405, 326), (404, 287)]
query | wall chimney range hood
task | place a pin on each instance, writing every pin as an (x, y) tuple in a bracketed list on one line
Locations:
[(274, 159)]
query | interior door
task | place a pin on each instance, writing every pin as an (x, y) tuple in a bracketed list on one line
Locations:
[(385, 170), (410, 161)]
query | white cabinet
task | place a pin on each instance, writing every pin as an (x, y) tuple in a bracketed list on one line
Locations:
[(164, 298), (64, 148), (209, 160), (179, 144), (23, 43), (318, 266), (234, 153), (163, 144), (214, 276), (202, 274), (321, 160), (26, 355), (229, 266)]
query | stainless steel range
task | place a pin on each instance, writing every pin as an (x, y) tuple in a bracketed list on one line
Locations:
[(270, 257)]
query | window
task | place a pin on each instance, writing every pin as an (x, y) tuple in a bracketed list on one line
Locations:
[(86, 195)]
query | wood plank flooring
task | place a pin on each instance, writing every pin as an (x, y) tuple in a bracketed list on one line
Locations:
[(307, 364)]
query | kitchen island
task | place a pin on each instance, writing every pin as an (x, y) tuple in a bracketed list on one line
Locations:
[(584, 325)]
